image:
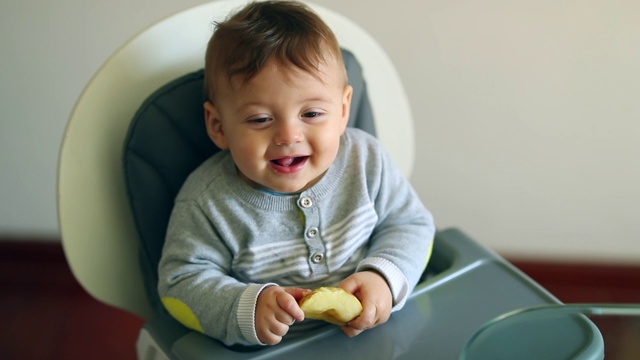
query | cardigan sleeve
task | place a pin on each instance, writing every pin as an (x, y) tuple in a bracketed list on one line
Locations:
[(401, 243), (194, 282)]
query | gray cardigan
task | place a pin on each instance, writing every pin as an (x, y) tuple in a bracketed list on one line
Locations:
[(226, 241)]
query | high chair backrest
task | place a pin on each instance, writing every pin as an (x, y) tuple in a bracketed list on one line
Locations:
[(101, 236)]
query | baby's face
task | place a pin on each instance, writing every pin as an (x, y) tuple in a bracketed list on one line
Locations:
[(283, 127)]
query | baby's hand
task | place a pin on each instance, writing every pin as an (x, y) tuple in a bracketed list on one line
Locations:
[(376, 298), (277, 309)]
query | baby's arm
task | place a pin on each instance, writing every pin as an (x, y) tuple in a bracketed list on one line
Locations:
[(195, 284), (401, 243), (276, 310)]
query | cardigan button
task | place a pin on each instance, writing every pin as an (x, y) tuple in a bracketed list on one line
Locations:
[(312, 232), (305, 202), (317, 258)]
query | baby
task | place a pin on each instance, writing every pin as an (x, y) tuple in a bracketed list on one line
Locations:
[(295, 200)]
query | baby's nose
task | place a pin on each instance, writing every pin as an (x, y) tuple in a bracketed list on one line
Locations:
[(288, 133)]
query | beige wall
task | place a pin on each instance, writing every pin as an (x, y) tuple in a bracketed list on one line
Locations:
[(527, 113)]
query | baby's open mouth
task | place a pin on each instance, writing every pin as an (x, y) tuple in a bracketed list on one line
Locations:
[(290, 161)]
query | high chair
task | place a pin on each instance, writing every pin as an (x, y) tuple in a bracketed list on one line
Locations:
[(124, 157)]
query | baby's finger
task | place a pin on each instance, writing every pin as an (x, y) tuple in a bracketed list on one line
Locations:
[(351, 332), (350, 285), (296, 292), (272, 333), (279, 329), (284, 318), (289, 304), (366, 320), (271, 339)]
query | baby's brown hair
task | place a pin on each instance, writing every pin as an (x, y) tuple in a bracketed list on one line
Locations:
[(286, 31)]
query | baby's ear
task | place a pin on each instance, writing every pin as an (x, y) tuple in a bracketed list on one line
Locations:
[(346, 105), (214, 125)]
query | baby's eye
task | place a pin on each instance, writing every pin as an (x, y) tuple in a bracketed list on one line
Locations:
[(311, 114), (259, 122)]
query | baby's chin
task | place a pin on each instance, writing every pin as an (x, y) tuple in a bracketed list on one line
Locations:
[(283, 188), (298, 189), (290, 189)]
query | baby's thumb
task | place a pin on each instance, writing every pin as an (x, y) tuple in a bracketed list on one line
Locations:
[(296, 292), (350, 285)]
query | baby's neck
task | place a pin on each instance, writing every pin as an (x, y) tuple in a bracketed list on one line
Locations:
[(276, 193)]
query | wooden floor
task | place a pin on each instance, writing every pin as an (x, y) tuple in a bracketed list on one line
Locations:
[(46, 314)]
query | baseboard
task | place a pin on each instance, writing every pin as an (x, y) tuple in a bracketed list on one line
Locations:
[(33, 261), (585, 282), (30, 250), (581, 273)]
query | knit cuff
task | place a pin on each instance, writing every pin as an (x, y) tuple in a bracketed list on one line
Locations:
[(246, 312), (395, 278)]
